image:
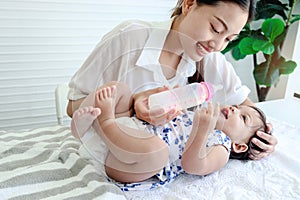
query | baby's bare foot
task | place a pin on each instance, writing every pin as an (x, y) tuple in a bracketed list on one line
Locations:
[(105, 100), (83, 119)]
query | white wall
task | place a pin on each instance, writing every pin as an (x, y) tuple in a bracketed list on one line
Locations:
[(293, 82), (42, 44)]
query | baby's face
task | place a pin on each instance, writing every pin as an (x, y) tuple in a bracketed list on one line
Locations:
[(236, 122)]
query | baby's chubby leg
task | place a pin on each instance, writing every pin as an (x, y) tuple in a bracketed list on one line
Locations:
[(83, 119), (132, 151)]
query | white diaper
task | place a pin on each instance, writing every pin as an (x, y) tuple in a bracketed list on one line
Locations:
[(93, 148)]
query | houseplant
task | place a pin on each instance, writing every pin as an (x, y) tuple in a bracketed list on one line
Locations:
[(276, 18)]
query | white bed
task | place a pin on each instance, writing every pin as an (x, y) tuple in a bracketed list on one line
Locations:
[(45, 164), (276, 177)]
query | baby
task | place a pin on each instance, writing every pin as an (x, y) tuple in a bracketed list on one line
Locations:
[(198, 142)]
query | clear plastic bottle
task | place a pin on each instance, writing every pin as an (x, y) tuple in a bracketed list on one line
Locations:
[(183, 97)]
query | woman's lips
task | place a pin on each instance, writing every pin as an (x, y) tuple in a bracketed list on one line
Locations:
[(202, 49)]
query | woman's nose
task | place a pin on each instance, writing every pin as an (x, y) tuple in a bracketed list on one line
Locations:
[(216, 44)]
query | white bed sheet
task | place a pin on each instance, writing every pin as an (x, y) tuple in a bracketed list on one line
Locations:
[(45, 164), (275, 177)]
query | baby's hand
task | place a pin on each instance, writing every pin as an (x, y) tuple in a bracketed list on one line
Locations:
[(207, 117)]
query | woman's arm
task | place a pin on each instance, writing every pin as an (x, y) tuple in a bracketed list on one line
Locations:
[(248, 102), (73, 105), (140, 105)]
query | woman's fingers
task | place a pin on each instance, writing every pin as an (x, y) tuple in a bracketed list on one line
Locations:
[(160, 116), (271, 139), (267, 148), (257, 155)]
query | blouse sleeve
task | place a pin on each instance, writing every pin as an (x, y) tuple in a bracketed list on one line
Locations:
[(218, 70), (110, 60), (93, 72)]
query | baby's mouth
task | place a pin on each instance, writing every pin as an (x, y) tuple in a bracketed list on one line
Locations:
[(224, 111)]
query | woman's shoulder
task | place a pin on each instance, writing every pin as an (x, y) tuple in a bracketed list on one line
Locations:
[(130, 25), (134, 24), (128, 29)]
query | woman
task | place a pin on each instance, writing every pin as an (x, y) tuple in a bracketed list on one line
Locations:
[(150, 55)]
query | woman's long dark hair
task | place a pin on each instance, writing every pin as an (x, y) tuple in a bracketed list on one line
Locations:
[(247, 5)]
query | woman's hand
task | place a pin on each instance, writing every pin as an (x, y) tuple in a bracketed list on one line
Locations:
[(271, 139), (156, 116), (268, 148)]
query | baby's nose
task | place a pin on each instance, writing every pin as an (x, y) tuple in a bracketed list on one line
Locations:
[(232, 109)]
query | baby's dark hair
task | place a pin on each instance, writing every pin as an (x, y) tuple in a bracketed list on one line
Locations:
[(251, 146)]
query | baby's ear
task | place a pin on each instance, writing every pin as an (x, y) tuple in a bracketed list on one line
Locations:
[(239, 148)]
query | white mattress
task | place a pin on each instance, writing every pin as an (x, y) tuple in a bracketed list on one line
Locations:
[(275, 177), (45, 164)]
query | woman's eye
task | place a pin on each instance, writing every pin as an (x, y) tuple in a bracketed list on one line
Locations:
[(215, 30), (229, 39)]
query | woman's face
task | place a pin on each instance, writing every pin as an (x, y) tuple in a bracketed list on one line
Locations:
[(204, 29)]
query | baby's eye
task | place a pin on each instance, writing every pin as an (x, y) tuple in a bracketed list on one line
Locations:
[(244, 117)]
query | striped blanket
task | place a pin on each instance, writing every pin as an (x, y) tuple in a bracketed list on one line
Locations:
[(45, 164)]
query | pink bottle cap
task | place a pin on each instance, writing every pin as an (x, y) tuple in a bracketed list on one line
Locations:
[(210, 90)]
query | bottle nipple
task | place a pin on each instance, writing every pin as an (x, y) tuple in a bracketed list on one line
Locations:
[(211, 89)]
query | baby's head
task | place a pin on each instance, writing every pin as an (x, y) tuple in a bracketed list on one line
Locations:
[(241, 123)]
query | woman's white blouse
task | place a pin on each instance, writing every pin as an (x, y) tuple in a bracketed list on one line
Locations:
[(130, 53)]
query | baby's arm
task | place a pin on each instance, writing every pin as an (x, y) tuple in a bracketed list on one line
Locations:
[(197, 158), (216, 158)]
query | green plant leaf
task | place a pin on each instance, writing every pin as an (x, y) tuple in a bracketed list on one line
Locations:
[(269, 8), (272, 28), (260, 73), (264, 46), (237, 54), (295, 18), (287, 67), (245, 46), (231, 45), (265, 74), (279, 39)]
